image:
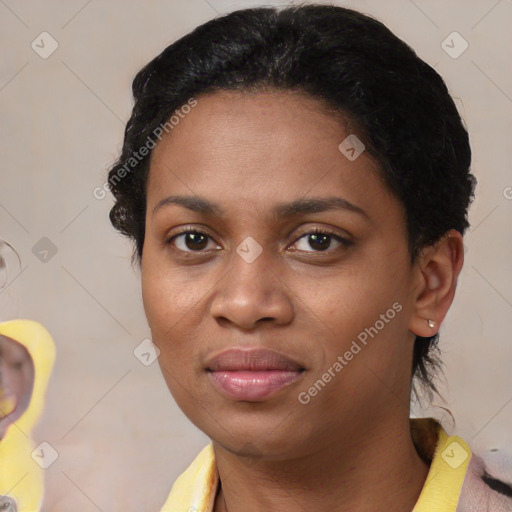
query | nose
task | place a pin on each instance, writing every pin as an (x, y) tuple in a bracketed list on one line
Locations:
[(252, 291)]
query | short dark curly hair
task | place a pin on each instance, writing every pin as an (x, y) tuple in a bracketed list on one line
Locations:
[(353, 64)]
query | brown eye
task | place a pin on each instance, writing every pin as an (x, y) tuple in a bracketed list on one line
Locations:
[(191, 241), (321, 241)]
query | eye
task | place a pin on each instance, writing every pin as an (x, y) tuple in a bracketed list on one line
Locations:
[(320, 240), (191, 241)]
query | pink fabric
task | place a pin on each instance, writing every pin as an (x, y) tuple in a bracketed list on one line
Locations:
[(476, 495)]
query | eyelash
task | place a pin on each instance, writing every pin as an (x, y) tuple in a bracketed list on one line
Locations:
[(323, 231)]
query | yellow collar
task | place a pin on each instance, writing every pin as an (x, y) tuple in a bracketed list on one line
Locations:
[(196, 488), (441, 491)]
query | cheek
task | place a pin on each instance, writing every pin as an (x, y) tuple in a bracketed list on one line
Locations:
[(173, 311), (164, 306), (361, 303), (347, 299), (165, 296), (172, 314)]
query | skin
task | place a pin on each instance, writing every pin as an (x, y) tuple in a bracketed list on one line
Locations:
[(247, 153), (16, 381)]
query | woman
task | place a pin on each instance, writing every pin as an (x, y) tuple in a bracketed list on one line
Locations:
[(296, 183)]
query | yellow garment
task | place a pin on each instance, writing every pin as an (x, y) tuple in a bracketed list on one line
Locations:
[(446, 476), (195, 489), (20, 477)]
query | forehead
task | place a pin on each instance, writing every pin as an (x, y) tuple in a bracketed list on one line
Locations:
[(249, 126), (257, 149)]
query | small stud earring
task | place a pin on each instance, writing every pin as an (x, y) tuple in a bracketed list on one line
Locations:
[(431, 323)]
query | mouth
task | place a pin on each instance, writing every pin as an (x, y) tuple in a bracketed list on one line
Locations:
[(252, 374)]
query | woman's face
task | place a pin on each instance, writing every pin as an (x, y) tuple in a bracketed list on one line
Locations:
[(259, 277), (16, 381)]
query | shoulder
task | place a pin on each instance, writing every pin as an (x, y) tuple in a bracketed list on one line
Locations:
[(196, 487), (460, 480), (483, 491)]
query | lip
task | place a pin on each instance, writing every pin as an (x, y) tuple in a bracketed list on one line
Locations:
[(252, 374)]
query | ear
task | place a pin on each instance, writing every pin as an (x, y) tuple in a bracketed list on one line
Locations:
[(436, 274)]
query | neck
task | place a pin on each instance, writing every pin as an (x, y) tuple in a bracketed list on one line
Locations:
[(379, 469)]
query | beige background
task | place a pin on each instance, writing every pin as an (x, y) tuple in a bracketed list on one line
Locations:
[(121, 439)]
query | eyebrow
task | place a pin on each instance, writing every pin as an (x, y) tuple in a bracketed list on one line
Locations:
[(298, 207)]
